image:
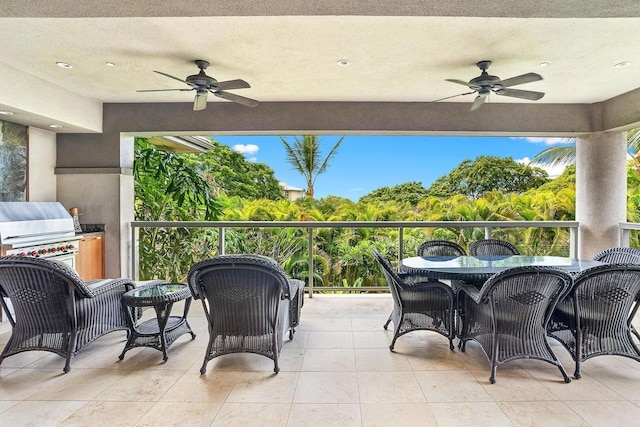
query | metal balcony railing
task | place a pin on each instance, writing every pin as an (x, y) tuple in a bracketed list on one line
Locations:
[(312, 226)]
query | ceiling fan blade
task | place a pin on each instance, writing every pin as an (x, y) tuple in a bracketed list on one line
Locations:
[(453, 96), (200, 101), (232, 84), (174, 78), (163, 90), (523, 94), (518, 80), (237, 98), (460, 82), (477, 103)]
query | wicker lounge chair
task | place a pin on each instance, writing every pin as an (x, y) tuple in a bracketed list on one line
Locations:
[(593, 320), (250, 304), (418, 305), (489, 247), (55, 310), (440, 248), (508, 316)]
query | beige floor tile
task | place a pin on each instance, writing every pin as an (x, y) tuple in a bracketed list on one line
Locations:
[(299, 339), (513, 385), (607, 414), (328, 324), (182, 353), (192, 414), (39, 413), (4, 405), (28, 358), (264, 387), (325, 415), (451, 386), (417, 339), (79, 384), (380, 360), (547, 414), (434, 358), (252, 414), (370, 324), (372, 339), (25, 382), (327, 387), (586, 388), (624, 382), (397, 415), (141, 385), (328, 359), (215, 386), (476, 414), (330, 340), (389, 387), (115, 414)]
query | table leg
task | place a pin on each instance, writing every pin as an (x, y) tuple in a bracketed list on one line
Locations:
[(162, 313)]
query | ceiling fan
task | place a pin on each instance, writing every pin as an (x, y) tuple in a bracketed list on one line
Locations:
[(485, 83), (204, 84)]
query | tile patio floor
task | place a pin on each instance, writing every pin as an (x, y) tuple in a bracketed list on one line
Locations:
[(337, 371)]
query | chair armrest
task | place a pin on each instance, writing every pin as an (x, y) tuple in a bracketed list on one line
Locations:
[(98, 287)]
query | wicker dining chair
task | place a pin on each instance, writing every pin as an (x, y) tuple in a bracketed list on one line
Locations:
[(426, 305), (594, 319), (440, 248), (55, 310), (489, 247), (508, 316), (621, 255), (250, 304)]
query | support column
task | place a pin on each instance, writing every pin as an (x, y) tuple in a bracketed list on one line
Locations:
[(601, 190), (95, 174)]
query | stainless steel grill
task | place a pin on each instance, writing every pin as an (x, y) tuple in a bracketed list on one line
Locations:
[(38, 229)]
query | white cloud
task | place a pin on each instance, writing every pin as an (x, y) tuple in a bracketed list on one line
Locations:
[(553, 171), (246, 148), (545, 140), (252, 159)]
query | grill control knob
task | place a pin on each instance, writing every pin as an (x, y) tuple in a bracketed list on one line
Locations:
[(22, 254), (52, 250)]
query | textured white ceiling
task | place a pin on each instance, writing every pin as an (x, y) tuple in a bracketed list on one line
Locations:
[(291, 52)]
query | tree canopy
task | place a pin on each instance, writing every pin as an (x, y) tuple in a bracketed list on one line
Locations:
[(475, 178), (229, 173), (409, 192)]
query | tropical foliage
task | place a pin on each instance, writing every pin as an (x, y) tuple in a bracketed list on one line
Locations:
[(341, 256)]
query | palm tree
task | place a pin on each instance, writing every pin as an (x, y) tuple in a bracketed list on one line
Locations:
[(566, 155), (305, 154)]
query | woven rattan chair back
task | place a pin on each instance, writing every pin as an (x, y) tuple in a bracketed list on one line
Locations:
[(509, 315), (619, 255), (594, 319), (440, 248), (492, 247), (55, 310), (424, 305), (245, 299)]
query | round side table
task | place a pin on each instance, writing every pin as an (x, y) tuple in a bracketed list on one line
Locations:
[(162, 331)]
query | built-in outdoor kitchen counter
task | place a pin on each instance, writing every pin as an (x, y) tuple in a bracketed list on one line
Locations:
[(90, 256)]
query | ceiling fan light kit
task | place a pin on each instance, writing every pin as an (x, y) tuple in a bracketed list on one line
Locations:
[(204, 84), (485, 84)]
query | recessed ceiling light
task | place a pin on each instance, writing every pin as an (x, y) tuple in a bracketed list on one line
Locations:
[(544, 64), (109, 64), (55, 126), (343, 62), (622, 64), (7, 113), (63, 65)]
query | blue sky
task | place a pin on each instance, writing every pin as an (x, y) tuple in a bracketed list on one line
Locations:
[(366, 162)]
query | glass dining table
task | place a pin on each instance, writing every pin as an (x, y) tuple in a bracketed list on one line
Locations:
[(477, 269)]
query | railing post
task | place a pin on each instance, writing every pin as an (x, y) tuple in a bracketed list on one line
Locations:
[(625, 237), (573, 242), (488, 232), (221, 241), (400, 245), (310, 265), (135, 267)]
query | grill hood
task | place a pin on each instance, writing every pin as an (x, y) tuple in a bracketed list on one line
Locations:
[(27, 223)]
